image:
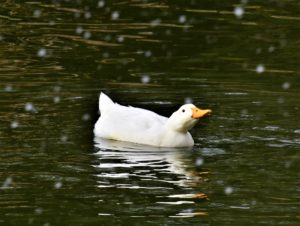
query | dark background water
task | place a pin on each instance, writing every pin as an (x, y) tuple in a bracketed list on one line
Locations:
[(240, 59)]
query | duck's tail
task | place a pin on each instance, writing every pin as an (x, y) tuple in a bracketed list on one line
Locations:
[(104, 101)]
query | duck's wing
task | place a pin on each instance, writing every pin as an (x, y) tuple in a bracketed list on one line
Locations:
[(126, 123), (109, 108), (136, 117)]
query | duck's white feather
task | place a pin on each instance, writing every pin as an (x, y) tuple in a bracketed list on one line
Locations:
[(137, 125)]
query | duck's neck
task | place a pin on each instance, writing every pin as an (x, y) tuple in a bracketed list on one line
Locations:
[(176, 137), (176, 127)]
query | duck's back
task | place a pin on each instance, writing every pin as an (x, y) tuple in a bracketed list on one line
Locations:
[(127, 123)]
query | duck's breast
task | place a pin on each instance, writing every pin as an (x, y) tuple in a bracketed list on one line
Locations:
[(172, 138)]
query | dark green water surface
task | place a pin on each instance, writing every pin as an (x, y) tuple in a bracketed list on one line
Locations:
[(241, 59)]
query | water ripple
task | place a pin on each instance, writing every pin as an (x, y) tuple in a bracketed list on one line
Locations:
[(143, 163)]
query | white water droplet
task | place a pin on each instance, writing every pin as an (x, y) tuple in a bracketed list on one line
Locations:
[(258, 51), (38, 210), (42, 52), (8, 88), (260, 68), (79, 30), (271, 49), (199, 162), (64, 138), (58, 185), (239, 12), (228, 190), (7, 183), (37, 13), (87, 15), (105, 55), (56, 99), (145, 79), (52, 23), (56, 88), (101, 4), (148, 53), (253, 202), (286, 85), (86, 117), (244, 112), (87, 35), (182, 19), (29, 107), (120, 39), (188, 100), (115, 15), (281, 100), (155, 22), (14, 124)]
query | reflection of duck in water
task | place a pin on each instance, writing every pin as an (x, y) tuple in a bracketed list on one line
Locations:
[(141, 126), (162, 176), (163, 165)]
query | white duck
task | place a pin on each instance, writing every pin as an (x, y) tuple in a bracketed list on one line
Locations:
[(142, 126)]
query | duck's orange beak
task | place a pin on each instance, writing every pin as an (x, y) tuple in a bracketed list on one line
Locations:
[(199, 113)]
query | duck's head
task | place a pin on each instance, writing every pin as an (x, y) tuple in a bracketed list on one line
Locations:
[(186, 117)]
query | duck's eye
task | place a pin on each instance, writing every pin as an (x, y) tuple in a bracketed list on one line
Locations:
[(183, 110)]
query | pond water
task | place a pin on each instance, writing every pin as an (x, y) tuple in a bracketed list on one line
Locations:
[(241, 59)]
